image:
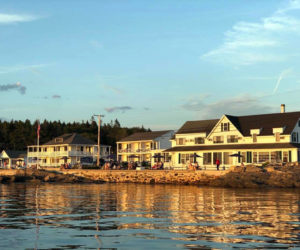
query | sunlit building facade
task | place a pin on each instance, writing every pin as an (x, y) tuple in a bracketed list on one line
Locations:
[(252, 139), (66, 149), (143, 147)]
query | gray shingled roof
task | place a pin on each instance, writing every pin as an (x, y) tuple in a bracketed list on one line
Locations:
[(74, 139), (233, 147), (266, 122), (203, 126), (15, 154), (144, 136)]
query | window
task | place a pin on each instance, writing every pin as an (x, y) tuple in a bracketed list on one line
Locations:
[(180, 141), (294, 137), (59, 140), (276, 156), (254, 137), (167, 157), (263, 157), (119, 146), (199, 140), (227, 158), (217, 155), (225, 126), (206, 158), (232, 138), (254, 157), (285, 156), (299, 123), (154, 145), (218, 139), (186, 157), (66, 148)]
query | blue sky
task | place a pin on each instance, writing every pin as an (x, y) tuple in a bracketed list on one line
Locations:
[(151, 63)]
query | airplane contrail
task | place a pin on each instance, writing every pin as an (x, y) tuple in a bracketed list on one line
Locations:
[(282, 74)]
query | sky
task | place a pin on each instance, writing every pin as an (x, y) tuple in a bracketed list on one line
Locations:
[(153, 63)]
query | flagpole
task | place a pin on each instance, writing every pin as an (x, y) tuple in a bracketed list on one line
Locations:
[(38, 143)]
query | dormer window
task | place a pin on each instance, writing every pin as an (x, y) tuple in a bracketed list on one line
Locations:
[(180, 141), (277, 136), (59, 140), (225, 126)]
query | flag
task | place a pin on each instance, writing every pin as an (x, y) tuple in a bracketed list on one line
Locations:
[(38, 129)]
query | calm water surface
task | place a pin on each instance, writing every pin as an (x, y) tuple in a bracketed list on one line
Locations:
[(136, 216)]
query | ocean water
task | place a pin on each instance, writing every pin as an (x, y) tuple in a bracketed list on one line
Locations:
[(137, 216)]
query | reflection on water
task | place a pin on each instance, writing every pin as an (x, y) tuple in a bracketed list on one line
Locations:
[(127, 216)]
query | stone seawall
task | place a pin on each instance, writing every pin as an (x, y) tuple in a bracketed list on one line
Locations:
[(150, 176), (287, 176), (115, 176)]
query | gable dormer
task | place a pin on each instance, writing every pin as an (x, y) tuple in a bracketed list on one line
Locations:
[(59, 140), (254, 133), (277, 132), (225, 131)]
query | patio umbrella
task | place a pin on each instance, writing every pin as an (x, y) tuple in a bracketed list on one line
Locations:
[(157, 156), (196, 155), (111, 156), (133, 156), (236, 155)]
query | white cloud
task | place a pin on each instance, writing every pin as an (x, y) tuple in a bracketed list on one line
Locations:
[(244, 104), (16, 68), (268, 40), (16, 18)]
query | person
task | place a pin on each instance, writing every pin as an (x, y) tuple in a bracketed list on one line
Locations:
[(190, 166), (196, 166), (218, 163)]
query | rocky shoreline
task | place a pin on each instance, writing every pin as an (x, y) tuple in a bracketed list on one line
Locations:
[(237, 177)]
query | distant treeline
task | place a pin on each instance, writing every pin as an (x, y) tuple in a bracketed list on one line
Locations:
[(17, 135)]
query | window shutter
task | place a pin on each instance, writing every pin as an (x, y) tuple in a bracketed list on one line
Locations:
[(179, 158)]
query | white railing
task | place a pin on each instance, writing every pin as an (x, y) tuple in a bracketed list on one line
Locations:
[(61, 154)]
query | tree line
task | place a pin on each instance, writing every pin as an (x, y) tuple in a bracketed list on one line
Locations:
[(17, 135)]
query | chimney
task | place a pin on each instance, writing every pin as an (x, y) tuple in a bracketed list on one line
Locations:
[(282, 108)]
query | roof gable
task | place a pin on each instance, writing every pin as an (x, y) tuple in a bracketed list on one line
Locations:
[(230, 120)]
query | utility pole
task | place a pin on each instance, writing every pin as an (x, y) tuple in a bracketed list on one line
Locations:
[(99, 124)]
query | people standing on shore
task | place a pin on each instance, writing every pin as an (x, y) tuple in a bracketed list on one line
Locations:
[(218, 163)]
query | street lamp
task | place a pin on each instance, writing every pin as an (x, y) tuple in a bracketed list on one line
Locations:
[(99, 124)]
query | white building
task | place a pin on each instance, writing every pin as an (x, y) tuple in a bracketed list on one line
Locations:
[(143, 147), (257, 138), (67, 148)]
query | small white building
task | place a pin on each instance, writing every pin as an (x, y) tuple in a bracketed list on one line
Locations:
[(66, 149), (12, 159)]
